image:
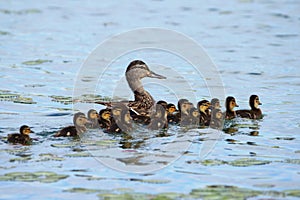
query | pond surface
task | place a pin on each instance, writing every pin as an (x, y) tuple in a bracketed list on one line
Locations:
[(255, 46)]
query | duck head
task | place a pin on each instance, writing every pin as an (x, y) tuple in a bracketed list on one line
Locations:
[(80, 120), (136, 71), (217, 114), (203, 106), (215, 103), (194, 112), (254, 102), (183, 106), (105, 114), (92, 114), (171, 108), (25, 130), (230, 103)]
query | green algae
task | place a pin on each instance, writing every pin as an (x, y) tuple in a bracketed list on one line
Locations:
[(245, 162), (40, 176), (36, 62)]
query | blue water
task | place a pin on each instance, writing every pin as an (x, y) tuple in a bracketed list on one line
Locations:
[(254, 45)]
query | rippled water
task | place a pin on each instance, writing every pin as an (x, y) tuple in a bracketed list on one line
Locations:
[(254, 44)]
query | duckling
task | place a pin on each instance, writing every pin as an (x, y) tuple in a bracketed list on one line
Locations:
[(79, 127), (121, 119), (171, 110), (192, 119), (203, 108), (183, 110), (255, 112), (93, 118), (215, 104), (163, 103), (104, 118), (22, 137), (230, 104), (216, 119), (159, 118), (143, 101)]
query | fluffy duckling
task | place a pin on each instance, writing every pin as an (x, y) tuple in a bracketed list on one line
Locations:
[(158, 118), (104, 118), (171, 110), (215, 104), (121, 119), (79, 127), (93, 118), (183, 110), (230, 104), (216, 119), (192, 119), (22, 137), (255, 112), (163, 104), (203, 108)]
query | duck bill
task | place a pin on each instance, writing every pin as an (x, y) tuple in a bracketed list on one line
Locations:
[(237, 105), (155, 75), (31, 131), (259, 103)]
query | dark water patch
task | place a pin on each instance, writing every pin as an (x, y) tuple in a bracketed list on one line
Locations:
[(35, 85), (39, 176), (186, 8), (292, 161), (36, 62), (286, 36), (281, 15), (275, 44), (58, 114), (284, 138), (255, 73)]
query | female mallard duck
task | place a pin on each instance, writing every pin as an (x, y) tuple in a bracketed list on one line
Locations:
[(203, 108), (255, 112), (121, 119), (230, 104), (216, 119), (105, 118), (158, 118), (143, 101), (22, 137), (79, 127), (93, 119)]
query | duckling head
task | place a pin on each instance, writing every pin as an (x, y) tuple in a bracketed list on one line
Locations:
[(92, 114), (230, 103), (171, 108), (105, 114), (203, 106), (183, 105), (136, 71), (163, 103), (254, 102), (215, 103), (25, 130), (80, 120)]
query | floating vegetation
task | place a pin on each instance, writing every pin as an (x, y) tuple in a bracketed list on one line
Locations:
[(292, 161), (20, 12), (36, 62), (87, 98), (85, 190), (6, 95), (242, 162), (49, 156), (62, 99), (4, 33), (82, 154), (40, 176), (223, 192), (24, 100)]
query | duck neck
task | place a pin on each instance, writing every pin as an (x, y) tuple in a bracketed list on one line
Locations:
[(135, 85), (80, 129)]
